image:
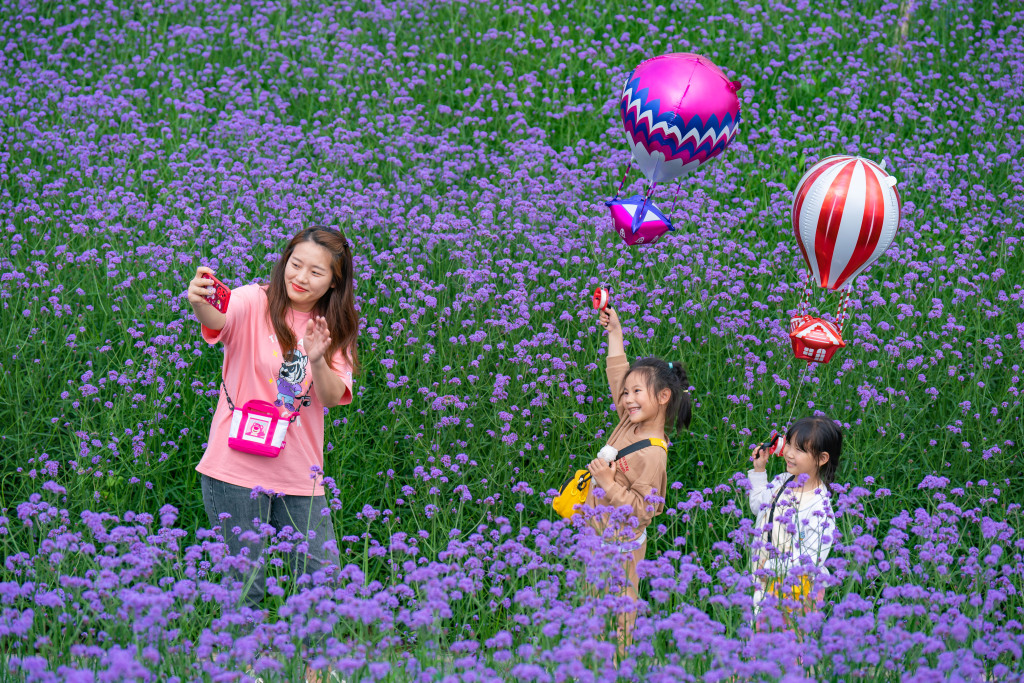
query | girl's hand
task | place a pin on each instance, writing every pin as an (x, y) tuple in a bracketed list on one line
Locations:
[(200, 287), (602, 472), (760, 459), (609, 320), (317, 338)]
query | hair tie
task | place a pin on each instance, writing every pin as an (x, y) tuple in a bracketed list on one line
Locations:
[(670, 366)]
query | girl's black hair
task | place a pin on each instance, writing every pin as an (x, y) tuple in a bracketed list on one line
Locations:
[(662, 375), (817, 435)]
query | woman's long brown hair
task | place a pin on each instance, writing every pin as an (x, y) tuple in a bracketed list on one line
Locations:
[(337, 306)]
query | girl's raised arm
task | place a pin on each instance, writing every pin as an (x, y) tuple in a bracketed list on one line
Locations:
[(618, 364), (609, 320), (759, 495)]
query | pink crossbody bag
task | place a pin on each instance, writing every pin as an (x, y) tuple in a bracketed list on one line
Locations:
[(258, 427)]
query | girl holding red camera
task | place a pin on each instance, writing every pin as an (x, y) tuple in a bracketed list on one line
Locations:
[(794, 514)]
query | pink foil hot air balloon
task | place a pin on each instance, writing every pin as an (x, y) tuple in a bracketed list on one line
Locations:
[(845, 214), (679, 111)]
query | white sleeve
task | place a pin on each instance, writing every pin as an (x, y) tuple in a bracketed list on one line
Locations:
[(760, 495), (759, 489)]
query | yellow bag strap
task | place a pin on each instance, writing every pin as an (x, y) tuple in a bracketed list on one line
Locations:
[(660, 442)]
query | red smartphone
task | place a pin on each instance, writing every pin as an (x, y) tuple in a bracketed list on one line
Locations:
[(221, 295)]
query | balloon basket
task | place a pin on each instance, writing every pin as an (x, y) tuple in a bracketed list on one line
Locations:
[(814, 340), (637, 220)]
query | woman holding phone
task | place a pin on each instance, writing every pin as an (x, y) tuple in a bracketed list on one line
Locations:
[(289, 346)]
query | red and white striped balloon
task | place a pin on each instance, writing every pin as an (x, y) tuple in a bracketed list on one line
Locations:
[(845, 214)]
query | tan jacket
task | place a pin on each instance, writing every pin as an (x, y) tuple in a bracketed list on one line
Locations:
[(638, 474)]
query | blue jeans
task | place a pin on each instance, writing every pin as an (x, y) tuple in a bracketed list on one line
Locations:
[(302, 513)]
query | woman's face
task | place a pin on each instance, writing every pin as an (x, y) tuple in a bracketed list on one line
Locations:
[(307, 275)]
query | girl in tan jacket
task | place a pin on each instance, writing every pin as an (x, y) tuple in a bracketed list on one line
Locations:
[(647, 395)]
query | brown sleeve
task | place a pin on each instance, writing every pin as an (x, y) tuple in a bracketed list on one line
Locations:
[(645, 472), (617, 368)]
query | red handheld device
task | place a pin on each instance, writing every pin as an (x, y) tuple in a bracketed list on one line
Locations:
[(221, 295), (775, 443), (601, 299)]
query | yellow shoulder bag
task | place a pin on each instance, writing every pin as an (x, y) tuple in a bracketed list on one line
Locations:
[(575, 489)]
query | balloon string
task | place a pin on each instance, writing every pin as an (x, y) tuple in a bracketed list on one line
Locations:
[(800, 386), (804, 309), (844, 315), (801, 310), (595, 243), (625, 174), (805, 300)]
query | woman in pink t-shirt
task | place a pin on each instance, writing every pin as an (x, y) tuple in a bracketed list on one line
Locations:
[(292, 344)]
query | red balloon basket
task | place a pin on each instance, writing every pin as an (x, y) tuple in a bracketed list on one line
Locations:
[(814, 340)]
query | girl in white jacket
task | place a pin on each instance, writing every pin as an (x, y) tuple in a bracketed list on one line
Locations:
[(795, 522)]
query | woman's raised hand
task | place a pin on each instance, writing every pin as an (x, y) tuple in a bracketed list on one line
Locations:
[(200, 286), (317, 339)]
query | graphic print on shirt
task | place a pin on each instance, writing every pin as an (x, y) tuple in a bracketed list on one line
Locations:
[(290, 379)]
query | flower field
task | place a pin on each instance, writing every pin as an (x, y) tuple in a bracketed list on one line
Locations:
[(466, 149)]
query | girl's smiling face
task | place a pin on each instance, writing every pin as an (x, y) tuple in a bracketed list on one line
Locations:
[(307, 276), (799, 461), (641, 405)]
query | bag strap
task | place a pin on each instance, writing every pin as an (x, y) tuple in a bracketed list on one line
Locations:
[(231, 406), (305, 400), (294, 416), (640, 445), (771, 513), (631, 448)]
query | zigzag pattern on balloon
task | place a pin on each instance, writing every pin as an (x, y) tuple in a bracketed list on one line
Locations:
[(638, 114)]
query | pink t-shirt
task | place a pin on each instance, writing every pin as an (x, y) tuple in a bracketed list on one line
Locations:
[(254, 369)]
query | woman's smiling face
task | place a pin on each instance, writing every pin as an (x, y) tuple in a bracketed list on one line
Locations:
[(307, 277)]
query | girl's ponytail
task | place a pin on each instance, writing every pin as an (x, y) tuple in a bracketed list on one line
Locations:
[(685, 410)]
